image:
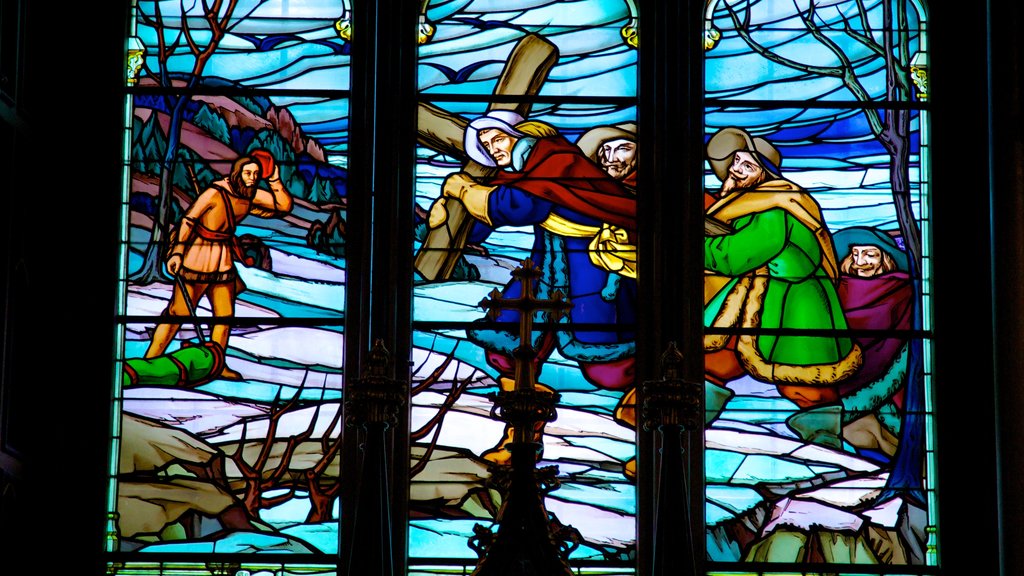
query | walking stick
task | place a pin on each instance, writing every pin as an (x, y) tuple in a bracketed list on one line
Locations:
[(191, 308)]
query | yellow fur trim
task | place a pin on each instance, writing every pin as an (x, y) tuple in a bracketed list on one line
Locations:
[(713, 284), (810, 375), (728, 315), (748, 296), (777, 373)]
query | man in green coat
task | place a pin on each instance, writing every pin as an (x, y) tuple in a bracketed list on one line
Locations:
[(771, 281)]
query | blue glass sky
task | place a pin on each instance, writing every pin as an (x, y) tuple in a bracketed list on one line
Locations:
[(292, 45)]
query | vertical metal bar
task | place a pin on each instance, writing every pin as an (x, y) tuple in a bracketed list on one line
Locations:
[(380, 205), (671, 230), (1006, 146)]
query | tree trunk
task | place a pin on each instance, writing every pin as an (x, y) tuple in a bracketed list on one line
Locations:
[(899, 177), (152, 269), (320, 499)]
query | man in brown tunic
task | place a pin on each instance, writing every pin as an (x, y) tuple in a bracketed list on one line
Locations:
[(204, 248)]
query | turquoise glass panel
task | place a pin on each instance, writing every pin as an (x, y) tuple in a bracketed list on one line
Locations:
[(825, 51), (271, 44), (471, 43)]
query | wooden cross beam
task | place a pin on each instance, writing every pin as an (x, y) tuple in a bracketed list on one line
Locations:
[(525, 71), (526, 305)]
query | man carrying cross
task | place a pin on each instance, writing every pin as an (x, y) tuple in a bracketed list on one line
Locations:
[(584, 236)]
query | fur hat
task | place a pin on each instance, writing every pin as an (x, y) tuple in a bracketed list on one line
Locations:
[(729, 141), (846, 238)]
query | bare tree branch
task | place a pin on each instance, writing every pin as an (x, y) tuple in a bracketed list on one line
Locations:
[(439, 418), (743, 29), (279, 499), (242, 17), (329, 453), (849, 78), (162, 54), (865, 23), (844, 61), (187, 31), (236, 456), (453, 396), (293, 441), (421, 464), (891, 65), (206, 9), (335, 422), (272, 423), (903, 31), (435, 375), (210, 14), (289, 451), (147, 71), (903, 45), (222, 26), (844, 71), (864, 39)]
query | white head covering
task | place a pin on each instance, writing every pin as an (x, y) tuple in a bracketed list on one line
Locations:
[(504, 120)]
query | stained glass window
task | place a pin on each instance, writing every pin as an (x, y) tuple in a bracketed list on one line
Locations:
[(227, 402), (227, 396), (817, 297), (527, 150)]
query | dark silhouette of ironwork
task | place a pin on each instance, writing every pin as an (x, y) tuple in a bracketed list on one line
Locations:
[(671, 406), (372, 406), (529, 541)]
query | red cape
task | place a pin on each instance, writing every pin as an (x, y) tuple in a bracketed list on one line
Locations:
[(557, 171)]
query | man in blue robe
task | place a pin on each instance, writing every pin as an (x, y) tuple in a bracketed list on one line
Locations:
[(584, 236)]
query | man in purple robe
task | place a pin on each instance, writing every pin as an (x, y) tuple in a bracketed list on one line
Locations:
[(876, 294)]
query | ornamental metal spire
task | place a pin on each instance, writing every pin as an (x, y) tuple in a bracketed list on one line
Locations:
[(672, 406), (372, 406), (528, 541)]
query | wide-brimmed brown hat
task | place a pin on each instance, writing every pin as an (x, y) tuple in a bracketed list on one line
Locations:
[(729, 141), (592, 139)]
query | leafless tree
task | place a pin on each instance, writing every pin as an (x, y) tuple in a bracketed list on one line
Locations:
[(259, 477)]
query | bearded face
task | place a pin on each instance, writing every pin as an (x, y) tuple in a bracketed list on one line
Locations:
[(245, 179), (744, 173), (618, 157)]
